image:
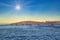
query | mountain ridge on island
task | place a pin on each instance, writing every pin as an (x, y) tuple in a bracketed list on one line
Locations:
[(35, 22)]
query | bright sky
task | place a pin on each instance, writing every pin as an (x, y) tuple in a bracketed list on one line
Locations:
[(29, 10)]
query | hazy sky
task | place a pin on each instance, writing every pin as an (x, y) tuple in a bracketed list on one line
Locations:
[(29, 10)]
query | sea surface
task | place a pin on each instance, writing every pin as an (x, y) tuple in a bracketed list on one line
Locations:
[(29, 32)]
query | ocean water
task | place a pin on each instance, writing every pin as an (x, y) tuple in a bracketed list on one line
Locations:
[(28, 32)]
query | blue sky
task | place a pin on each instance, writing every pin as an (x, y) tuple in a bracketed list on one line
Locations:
[(31, 10)]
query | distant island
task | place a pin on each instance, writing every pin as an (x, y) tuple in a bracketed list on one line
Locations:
[(46, 23), (35, 22), (32, 24)]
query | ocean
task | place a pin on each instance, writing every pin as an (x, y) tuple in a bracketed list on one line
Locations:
[(29, 32)]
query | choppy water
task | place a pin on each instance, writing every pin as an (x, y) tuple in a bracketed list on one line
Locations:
[(29, 33)]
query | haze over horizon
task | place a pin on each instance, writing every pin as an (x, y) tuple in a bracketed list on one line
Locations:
[(12, 11)]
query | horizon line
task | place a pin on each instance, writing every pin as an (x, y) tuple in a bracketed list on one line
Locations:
[(30, 21)]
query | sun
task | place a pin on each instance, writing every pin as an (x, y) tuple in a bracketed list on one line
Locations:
[(18, 7)]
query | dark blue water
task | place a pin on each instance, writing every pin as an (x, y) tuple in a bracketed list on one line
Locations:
[(29, 33)]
